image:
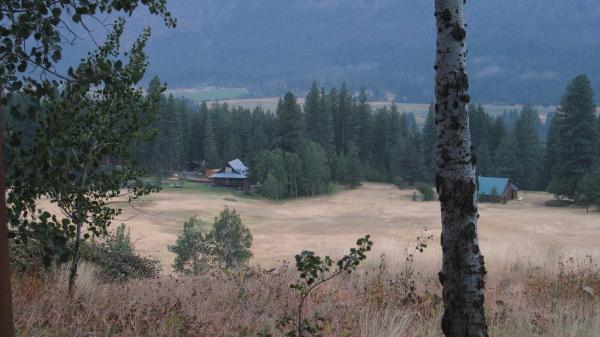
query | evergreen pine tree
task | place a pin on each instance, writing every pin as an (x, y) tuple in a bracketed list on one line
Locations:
[(364, 136), (403, 126), (380, 139), (289, 124), (551, 151), (576, 137), (326, 127), (258, 142), (341, 118), (587, 192), (496, 133), (505, 157), (171, 145), (528, 150), (195, 136), (210, 147), (406, 161), (234, 147), (146, 149), (479, 124), (312, 112), (484, 166)]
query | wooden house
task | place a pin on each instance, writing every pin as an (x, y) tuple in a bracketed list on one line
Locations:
[(234, 174), (496, 189)]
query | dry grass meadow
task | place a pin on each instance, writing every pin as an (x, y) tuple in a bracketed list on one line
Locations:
[(543, 278), (419, 109), (520, 231)]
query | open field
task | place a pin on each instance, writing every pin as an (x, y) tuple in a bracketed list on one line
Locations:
[(419, 109), (533, 286), (209, 93), (516, 232)]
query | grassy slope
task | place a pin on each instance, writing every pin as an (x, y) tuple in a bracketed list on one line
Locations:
[(532, 289), (523, 300)]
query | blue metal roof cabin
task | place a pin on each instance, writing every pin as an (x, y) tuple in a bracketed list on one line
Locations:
[(496, 189)]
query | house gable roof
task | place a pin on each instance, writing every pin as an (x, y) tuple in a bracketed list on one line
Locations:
[(238, 166), (487, 184), (239, 171)]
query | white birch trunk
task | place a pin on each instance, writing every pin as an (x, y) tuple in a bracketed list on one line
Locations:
[(462, 274)]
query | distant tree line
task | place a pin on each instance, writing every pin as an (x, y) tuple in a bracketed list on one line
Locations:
[(338, 136)]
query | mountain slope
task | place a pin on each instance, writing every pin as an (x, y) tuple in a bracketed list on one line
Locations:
[(520, 51)]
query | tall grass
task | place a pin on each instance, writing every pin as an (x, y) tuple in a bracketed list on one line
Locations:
[(522, 299), (384, 323)]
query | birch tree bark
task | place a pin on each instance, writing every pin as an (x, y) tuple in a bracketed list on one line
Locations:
[(463, 271)]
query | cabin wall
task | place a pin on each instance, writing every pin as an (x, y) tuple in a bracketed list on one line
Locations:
[(238, 183)]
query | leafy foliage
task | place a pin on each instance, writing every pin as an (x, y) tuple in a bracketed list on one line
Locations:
[(230, 239), (189, 250), (47, 24), (27, 258), (407, 277), (78, 156), (84, 124), (314, 271), (117, 259), (226, 245), (114, 256)]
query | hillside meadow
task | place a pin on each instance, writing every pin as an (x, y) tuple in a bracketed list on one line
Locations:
[(543, 277), (419, 109), (519, 230)]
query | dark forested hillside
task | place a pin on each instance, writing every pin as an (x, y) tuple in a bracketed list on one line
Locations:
[(520, 51)]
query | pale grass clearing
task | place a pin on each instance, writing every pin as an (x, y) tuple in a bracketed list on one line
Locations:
[(419, 109), (525, 232)]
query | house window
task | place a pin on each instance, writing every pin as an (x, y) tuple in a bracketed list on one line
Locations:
[(228, 169)]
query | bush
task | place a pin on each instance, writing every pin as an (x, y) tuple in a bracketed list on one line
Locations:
[(400, 182), (426, 191), (27, 257), (227, 245), (190, 248), (559, 203), (117, 259)]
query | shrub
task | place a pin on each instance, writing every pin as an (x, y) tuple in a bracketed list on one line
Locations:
[(190, 248), (231, 240), (315, 271), (227, 245), (426, 191), (27, 257), (558, 203), (400, 182), (117, 259)]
